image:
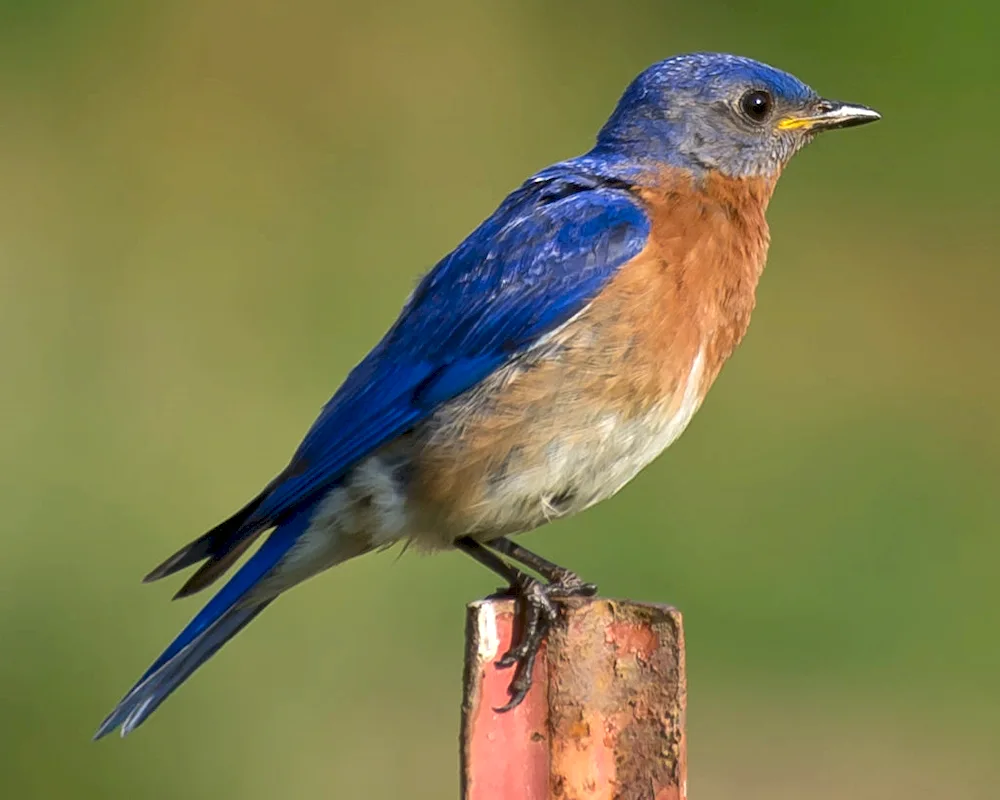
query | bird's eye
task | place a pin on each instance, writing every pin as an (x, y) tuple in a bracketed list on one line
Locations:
[(756, 105)]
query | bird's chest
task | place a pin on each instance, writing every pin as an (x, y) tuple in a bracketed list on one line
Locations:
[(707, 248), (568, 423)]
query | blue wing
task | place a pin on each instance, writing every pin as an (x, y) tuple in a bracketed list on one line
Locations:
[(548, 250), (538, 260), (535, 263)]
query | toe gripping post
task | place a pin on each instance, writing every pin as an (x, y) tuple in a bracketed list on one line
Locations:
[(603, 719)]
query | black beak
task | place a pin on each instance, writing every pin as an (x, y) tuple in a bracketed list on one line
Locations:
[(830, 114)]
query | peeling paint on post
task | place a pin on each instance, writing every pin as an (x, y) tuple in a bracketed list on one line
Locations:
[(604, 719), (504, 756)]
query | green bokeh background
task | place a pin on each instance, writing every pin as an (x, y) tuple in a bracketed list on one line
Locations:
[(210, 210)]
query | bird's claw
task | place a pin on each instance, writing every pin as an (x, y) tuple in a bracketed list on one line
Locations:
[(539, 614)]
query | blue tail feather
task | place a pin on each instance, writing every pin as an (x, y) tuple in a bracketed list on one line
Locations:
[(225, 615), (150, 692)]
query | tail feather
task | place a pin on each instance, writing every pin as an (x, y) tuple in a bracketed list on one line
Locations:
[(149, 693), (225, 615)]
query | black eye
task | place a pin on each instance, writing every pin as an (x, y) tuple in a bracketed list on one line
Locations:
[(756, 105)]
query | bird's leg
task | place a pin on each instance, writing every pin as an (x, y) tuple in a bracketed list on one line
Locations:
[(538, 615), (563, 583), (514, 577)]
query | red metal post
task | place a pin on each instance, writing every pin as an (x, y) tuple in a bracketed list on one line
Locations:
[(604, 719)]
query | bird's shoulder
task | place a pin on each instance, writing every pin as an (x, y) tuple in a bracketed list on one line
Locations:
[(550, 248)]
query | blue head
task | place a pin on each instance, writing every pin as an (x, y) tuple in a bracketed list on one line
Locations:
[(711, 111)]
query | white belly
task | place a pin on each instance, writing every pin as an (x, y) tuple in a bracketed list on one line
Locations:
[(374, 507), (566, 473), (631, 445), (599, 465)]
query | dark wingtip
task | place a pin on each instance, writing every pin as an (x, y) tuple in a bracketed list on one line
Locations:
[(209, 572), (177, 561), (228, 535), (197, 582)]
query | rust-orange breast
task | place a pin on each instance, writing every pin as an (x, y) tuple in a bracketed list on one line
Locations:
[(693, 286), (574, 419)]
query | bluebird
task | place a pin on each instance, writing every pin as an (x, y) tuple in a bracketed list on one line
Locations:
[(536, 368)]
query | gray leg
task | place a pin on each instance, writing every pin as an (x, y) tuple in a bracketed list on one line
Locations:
[(563, 583)]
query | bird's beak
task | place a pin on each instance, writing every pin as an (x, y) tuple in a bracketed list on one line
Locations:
[(829, 114)]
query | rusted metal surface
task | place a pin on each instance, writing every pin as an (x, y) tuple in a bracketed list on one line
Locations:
[(604, 719), (504, 756)]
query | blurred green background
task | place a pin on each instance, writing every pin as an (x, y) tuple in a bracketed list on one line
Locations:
[(210, 210)]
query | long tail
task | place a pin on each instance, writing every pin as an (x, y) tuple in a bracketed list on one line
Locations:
[(225, 615)]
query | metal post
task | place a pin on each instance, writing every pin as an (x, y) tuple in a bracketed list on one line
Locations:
[(604, 719)]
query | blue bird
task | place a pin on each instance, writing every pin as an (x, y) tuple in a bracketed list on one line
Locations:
[(537, 368)]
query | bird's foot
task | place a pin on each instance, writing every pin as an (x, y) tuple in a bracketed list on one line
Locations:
[(569, 584), (538, 615)]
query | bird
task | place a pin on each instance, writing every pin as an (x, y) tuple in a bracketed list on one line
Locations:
[(535, 369)]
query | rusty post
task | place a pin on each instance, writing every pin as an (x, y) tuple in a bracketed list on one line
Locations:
[(604, 719)]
